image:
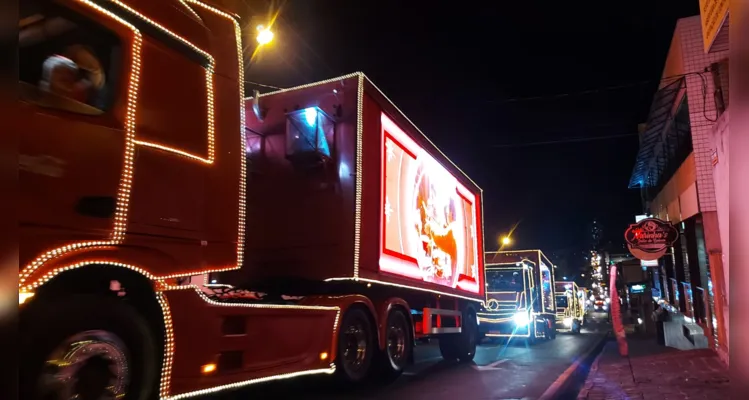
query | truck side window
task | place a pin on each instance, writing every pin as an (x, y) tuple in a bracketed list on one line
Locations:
[(65, 61)]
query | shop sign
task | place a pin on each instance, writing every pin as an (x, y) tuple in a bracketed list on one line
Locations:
[(649, 238), (713, 14)]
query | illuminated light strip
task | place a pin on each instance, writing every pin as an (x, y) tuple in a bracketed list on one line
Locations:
[(52, 273), (403, 286), (199, 272), (187, 6), (308, 85), (237, 385), (335, 322), (358, 190), (173, 150), (169, 347), (242, 212)]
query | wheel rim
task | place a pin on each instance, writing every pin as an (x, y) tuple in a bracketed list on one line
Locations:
[(356, 347), (396, 342), (90, 365)]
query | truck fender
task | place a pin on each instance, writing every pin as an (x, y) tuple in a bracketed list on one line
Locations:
[(345, 302), (134, 258)]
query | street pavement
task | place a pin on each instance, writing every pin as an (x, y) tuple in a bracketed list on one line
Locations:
[(500, 371), (653, 372)]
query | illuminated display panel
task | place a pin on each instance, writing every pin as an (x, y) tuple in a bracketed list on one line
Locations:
[(430, 222)]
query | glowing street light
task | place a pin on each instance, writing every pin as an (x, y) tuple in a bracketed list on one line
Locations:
[(264, 35), (506, 241)]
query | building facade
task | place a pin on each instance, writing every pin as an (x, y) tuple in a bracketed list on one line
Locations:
[(676, 172)]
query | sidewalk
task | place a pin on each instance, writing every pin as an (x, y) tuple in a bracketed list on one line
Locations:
[(655, 372)]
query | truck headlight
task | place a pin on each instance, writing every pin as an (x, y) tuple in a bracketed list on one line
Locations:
[(521, 319), (567, 322)]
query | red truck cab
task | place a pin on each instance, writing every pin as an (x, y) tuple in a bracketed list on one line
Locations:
[(186, 240)]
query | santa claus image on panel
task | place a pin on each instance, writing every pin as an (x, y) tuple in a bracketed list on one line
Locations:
[(438, 224)]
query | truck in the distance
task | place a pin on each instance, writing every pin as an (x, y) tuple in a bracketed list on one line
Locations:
[(519, 296), (187, 240), (570, 313)]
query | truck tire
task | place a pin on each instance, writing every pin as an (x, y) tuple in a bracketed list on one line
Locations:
[(532, 339), (575, 326), (109, 342), (461, 346), (398, 347), (356, 346), (552, 329)]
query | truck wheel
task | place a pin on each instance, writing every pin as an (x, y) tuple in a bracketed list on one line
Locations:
[(398, 347), (461, 346), (532, 339), (552, 329), (107, 348), (355, 346), (575, 326)]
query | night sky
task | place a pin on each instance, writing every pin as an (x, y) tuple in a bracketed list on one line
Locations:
[(493, 84)]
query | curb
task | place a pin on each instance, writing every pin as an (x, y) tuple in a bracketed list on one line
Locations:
[(565, 381)]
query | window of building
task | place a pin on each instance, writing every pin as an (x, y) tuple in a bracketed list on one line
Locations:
[(65, 60)]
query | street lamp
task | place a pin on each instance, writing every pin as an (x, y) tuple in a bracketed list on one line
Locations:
[(264, 35), (506, 241)]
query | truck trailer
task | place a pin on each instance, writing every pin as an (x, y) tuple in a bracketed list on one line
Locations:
[(519, 296), (180, 239)]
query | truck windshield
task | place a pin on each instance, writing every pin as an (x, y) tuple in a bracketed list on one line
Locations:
[(562, 301), (505, 280)]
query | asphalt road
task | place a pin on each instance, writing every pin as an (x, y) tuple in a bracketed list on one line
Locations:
[(500, 371)]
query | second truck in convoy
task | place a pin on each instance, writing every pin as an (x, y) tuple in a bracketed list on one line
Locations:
[(520, 299)]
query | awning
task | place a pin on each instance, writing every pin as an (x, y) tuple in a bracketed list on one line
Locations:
[(660, 114)]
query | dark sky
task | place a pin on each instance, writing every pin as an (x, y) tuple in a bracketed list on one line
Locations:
[(463, 72)]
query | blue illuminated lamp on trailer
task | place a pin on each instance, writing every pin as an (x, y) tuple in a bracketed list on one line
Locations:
[(309, 132)]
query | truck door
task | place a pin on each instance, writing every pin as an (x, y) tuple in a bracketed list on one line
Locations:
[(70, 123)]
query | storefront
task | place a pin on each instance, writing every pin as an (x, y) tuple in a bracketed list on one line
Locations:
[(674, 172)]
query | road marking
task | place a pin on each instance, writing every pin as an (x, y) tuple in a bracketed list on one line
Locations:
[(490, 367)]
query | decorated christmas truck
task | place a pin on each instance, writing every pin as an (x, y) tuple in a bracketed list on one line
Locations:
[(519, 296), (570, 314), (180, 239)]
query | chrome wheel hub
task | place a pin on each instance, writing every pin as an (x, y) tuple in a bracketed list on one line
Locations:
[(396, 343), (356, 347), (90, 365)]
